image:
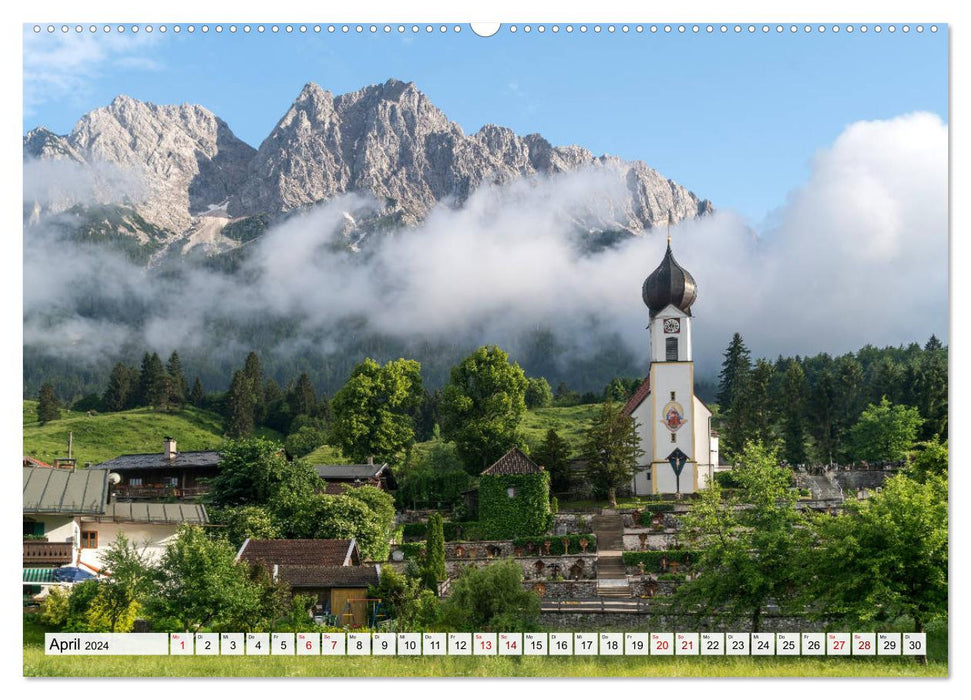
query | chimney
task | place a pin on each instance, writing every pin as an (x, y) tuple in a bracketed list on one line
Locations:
[(370, 460), (170, 450)]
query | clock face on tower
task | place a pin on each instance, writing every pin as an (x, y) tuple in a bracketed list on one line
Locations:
[(672, 325)]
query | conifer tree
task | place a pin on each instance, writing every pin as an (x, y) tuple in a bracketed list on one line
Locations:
[(433, 571), (178, 384), (197, 395), (153, 383), (118, 394), (48, 407), (554, 455), (302, 398), (253, 372), (612, 449), (734, 372), (239, 407), (793, 423)]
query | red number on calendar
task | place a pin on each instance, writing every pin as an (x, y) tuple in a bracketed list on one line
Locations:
[(662, 645), (486, 644), (837, 644), (510, 645), (865, 645)]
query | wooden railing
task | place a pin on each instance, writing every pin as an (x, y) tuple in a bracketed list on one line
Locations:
[(158, 492), (48, 552)]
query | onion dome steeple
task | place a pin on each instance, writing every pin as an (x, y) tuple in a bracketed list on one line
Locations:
[(669, 284)]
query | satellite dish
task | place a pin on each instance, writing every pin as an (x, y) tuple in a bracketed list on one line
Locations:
[(114, 479)]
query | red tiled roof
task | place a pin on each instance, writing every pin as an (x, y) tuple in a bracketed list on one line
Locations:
[(641, 393), (300, 552), (513, 462)]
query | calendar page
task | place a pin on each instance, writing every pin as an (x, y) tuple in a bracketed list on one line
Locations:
[(433, 348)]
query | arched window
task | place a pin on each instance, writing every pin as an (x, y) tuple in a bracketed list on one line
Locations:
[(671, 349)]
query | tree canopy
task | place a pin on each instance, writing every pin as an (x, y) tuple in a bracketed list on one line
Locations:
[(482, 406), (372, 412)]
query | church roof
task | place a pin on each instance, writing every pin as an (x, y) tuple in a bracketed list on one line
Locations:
[(669, 284), (513, 462), (641, 393)]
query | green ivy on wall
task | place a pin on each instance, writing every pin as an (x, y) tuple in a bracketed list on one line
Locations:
[(526, 513)]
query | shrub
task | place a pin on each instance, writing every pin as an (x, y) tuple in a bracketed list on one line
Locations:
[(492, 599), (54, 610)]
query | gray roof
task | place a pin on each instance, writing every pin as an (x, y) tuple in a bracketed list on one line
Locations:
[(171, 513), (183, 460), (350, 471), (74, 491)]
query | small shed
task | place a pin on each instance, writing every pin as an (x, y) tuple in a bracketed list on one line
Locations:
[(341, 592)]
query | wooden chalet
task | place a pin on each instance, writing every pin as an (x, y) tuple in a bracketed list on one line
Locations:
[(165, 475)]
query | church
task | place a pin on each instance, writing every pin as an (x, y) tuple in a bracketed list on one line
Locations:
[(680, 447)]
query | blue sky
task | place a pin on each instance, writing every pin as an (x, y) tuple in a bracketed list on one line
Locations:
[(736, 118)]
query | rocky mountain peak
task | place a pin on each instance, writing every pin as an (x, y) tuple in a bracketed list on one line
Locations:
[(388, 140)]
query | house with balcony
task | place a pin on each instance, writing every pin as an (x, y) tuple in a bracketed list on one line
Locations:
[(70, 520), (165, 475)]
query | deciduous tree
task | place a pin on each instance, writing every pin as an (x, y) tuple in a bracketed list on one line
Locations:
[(372, 411), (750, 543), (482, 406)]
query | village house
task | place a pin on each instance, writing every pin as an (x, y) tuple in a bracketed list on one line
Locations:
[(329, 570), (338, 476), (69, 521), (161, 476)]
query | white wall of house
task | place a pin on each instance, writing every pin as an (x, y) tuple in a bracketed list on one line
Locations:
[(150, 538)]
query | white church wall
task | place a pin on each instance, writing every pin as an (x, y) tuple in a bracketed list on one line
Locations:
[(703, 448), (677, 377)]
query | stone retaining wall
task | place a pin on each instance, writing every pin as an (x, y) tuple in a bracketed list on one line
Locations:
[(656, 539), (570, 566), (660, 621)]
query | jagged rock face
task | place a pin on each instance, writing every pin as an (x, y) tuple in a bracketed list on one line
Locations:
[(184, 157), (387, 140), (391, 141)]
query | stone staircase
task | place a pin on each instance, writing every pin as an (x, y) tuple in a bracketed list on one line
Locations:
[(611, 572)]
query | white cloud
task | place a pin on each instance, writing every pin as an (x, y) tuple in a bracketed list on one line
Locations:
[(63, 66), (858, 255)]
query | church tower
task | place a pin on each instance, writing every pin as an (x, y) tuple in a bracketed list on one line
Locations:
[(680, 449)]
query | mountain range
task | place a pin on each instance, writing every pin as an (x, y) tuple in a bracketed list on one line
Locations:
[(167, 178)]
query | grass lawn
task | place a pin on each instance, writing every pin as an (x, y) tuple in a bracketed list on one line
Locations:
[(570, 422), (325, 454), (36, 663), (102, 436)]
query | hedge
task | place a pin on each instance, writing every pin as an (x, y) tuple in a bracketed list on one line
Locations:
[(556, 543), (652, 559)]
